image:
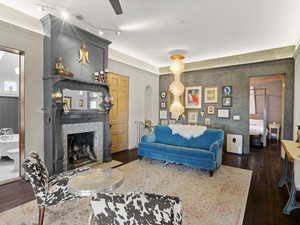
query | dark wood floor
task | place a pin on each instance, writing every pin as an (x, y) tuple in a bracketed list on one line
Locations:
[(265, 200)]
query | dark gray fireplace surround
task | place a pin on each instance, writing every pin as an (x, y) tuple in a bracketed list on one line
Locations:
[(63, 39)]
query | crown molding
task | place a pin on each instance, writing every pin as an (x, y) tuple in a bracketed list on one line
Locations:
[(252, 57), (297, 51), (19, 19), (132, 61)]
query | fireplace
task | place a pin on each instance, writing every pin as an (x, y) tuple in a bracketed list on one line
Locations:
[(81, 149), (83, 144)]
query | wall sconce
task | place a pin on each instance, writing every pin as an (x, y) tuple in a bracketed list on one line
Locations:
[(57, 96), (176, 87)]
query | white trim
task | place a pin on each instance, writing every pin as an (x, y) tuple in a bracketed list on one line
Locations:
[(20, 20), (131, 61), (297, 51)]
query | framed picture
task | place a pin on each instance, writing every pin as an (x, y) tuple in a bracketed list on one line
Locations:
[(164, 122), (211, 95), (163, 94), (224, 113), (193, 97), (81, 103), (227, 101), (192, 117), (172, 121), (163, 105), (207, 121), (68, 101), (211, 110), (163, 114), (227, 91)]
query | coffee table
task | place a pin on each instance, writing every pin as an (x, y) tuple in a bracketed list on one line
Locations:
[(94, 181)]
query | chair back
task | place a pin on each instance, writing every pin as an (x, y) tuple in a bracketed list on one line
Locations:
[(136, 208), (38, 176)]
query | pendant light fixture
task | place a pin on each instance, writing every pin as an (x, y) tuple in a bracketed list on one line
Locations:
[(176, 87)]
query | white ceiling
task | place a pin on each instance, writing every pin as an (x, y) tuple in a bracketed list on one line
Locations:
[(205, 29)]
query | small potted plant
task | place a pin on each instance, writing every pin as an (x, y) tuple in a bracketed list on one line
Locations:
[(148, 126)]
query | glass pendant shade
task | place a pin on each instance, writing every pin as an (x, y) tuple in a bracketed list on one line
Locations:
[(176, 87)]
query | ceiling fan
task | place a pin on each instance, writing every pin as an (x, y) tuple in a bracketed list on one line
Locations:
[(116, 6)]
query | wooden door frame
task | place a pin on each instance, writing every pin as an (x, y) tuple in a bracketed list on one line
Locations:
[(281, 77), (21, 104)]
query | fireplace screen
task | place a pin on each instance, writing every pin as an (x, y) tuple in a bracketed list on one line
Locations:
[(81, 149)]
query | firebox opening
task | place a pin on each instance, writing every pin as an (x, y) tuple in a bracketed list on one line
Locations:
[(81, 149)]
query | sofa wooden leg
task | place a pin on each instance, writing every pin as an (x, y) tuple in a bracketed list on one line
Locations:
[(41, 216), (211, 173)]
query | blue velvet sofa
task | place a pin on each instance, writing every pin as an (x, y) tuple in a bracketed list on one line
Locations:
[(203, 152)]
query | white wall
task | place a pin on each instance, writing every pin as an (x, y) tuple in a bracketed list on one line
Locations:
[(297, 92), (138, 81), (16, 17), (32, 44)]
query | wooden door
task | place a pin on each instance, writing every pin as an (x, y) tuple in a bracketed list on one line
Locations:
[(118, 116)]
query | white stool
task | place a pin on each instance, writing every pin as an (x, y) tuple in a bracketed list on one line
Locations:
[(274, 131), (14, 155)]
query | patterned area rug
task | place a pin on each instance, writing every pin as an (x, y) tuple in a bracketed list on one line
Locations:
[(217, 200)]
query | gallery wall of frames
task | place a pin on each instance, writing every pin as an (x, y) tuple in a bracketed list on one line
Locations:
[(219, 97)]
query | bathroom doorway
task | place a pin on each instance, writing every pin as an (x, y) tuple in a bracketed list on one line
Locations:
[(11, 114)]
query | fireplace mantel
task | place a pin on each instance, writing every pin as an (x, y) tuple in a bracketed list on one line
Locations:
[(58, 79), (64, 40)]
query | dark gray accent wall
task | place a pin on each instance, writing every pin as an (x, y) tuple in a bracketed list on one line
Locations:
[(238, 78), (9, 111), (64, 39)]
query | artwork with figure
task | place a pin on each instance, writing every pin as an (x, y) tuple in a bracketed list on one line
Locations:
[(227, 91), (211, 110), (193, 97)]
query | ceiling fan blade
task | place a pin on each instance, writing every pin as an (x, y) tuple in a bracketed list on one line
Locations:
[(116, 6)]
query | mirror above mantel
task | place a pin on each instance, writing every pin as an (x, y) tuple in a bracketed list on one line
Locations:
[(80, 100)]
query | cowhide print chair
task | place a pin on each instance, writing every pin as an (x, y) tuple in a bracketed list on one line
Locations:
[(136, 209), (48, 191)]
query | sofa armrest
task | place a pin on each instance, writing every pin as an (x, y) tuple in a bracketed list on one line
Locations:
[(217, 149), (150, 138)]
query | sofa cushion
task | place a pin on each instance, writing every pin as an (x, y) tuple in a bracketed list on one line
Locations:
[(180, 150), (163, 134)]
